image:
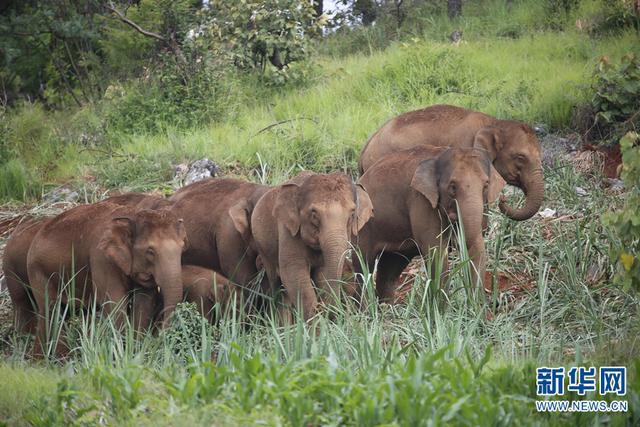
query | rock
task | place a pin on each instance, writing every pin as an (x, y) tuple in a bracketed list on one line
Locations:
[(581, 192), (61, 194), (555, 148), (456, 36), (614, 184), (197, 171), (540, 129), (547, 213)]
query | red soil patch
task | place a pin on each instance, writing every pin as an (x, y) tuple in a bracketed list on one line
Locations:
[(612, 158)]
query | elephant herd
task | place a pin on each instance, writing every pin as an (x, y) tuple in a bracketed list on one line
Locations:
[(420, 173)]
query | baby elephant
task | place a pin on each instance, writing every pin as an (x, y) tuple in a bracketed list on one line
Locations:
[(202, 287), (103, 249), (302, 230), (414, 194)]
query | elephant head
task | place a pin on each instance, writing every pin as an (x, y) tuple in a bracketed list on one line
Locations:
[(466, 178), (324, 211), (515, 151), (147, 246)]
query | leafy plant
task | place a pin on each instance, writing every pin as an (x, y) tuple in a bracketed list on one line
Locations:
[(626, 221), (617, 97), (256, 33)]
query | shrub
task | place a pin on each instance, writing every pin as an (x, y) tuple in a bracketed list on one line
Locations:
[(188, 334), (626, 221), (617, 96)]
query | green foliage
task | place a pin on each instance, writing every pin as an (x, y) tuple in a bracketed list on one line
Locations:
[(275, 31), (614, 16), (626, 221), (187, 336), (617, 94)]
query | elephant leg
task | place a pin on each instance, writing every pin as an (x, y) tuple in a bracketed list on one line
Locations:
[(389, 268), (25, 312), (329, 291), (45, 294), (144, 306)]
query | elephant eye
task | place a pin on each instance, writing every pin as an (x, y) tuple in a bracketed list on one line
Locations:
[(315, 219), (150, 253), (452, 189)]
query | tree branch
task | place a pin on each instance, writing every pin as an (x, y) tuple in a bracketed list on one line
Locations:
[(132, 24)]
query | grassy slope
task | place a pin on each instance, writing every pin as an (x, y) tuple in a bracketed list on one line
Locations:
[(376, 367)]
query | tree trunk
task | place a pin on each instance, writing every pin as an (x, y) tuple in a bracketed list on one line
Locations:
[(318, 6), (454, 8)]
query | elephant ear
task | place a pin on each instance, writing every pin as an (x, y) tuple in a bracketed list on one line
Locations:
[(117, 241), (496, 183), (425, 181), (364, 210), (285, 209), (239, 214), (182, 234), (488, 139)]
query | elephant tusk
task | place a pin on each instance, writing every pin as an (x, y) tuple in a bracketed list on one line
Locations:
[(158, 289)]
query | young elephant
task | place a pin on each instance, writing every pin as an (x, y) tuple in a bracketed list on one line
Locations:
[(302, 230), (14, 265), (217, 216), (203, 287), (105, 248), (414, 194), (512, 146)]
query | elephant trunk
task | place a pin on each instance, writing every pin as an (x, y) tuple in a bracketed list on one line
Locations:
[(169, 280), (472, 218), (533, 189), (333, 251)]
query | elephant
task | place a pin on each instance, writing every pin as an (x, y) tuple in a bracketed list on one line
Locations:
[(14, 265), (512, 146), (302, 230), (201, 286), (217, 214), (416, 194), (15, 257), (102, 250)]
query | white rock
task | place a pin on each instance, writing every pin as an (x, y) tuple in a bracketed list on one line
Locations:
[(547, 213), (581, 192)]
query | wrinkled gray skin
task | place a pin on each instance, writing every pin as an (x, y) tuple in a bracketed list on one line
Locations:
[(302, 230), (414, 195)]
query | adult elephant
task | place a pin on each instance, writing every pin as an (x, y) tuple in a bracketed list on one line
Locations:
[(14, 263), (416, 195), (512, 146), (302, 230), (216, 215), (101, 251)]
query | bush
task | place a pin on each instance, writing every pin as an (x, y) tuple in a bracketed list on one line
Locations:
[(616, 102), (626, 222)]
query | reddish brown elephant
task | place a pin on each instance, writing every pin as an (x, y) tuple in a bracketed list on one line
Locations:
[(14, 262), (217, 214), (14, 265), (512, 146), (105, 248), (302, 230), (416, 195), (201, 286)]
